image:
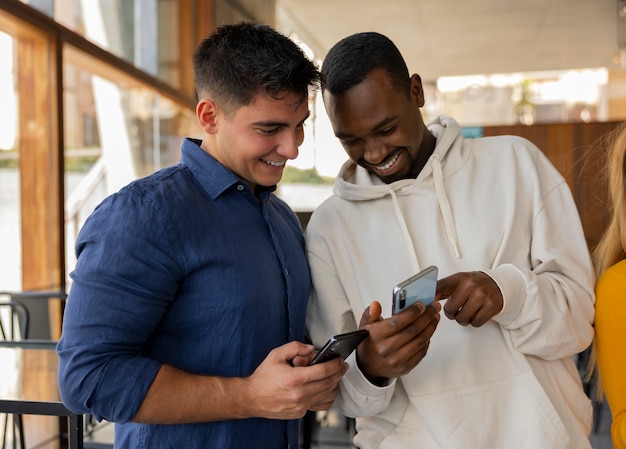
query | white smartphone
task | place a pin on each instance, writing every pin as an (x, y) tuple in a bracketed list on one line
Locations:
[(418, 288)]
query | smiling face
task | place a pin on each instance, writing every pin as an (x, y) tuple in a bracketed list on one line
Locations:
[(380, 127), (256, 140)]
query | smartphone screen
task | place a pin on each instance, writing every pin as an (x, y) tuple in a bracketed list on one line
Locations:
[(340, 345), (418, 288)]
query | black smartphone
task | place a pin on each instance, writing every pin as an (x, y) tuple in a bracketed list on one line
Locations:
[(418, 288), (340, 345)]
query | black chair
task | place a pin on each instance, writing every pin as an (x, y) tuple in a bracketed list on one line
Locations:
[(73, 436), (21, 301), (13, 327)]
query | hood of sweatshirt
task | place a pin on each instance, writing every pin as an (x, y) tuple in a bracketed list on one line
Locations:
[(355, 183)]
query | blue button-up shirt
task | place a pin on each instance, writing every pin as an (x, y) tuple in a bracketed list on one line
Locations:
[(184, 267)]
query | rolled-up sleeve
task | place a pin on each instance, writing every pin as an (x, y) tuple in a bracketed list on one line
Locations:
[(122, 286)]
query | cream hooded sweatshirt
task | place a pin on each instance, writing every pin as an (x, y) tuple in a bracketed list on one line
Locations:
[(492, 204)]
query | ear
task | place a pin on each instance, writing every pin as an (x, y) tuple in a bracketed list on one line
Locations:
[(207, 114), (417, 91)]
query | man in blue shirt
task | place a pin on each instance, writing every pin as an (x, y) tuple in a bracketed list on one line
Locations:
[(186, 312)]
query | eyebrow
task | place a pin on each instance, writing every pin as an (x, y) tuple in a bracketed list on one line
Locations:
[(272, 123), (383, 123)]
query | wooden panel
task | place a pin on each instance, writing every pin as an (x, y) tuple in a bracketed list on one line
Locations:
[(40, 180), (575, 150), (41, 192)]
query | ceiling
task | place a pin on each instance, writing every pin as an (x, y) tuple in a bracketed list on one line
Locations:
[(460, 37)]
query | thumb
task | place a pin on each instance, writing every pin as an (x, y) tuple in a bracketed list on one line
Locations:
[(291, 350), (371, 314)]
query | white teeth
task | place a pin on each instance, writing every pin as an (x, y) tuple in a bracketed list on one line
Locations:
[(275, 164), (388, 164)]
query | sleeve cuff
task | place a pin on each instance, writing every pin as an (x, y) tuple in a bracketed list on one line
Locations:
[(360, 397), (511, 283)]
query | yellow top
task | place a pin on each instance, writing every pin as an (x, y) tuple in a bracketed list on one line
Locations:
[(611, 345)]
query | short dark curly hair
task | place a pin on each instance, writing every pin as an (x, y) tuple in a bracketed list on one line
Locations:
[(351, 59), (238, 61)]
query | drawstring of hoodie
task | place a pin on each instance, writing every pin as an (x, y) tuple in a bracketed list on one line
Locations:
[(444, 207), (405, 230), (444, 204)]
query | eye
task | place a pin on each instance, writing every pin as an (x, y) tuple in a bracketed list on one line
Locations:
[(387, 131), (269, 131), (350, 143)]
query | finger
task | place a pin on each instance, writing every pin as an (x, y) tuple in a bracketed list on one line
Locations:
[(419, 355), (321, 407), (467, 312), (409, 356), (445, 287), (451, 309), (328, 373), (302, 360), (290, 351), (434, 311), (375, 310), (455, 303), (371, 314), (325, 401), (325, 396), (436, 306), (481, 317)]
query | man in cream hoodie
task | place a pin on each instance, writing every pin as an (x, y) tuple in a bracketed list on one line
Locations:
[(516, 281)]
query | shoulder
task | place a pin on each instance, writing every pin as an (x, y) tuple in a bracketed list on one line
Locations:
[(610, 289), (162, 183), (327, 212), (506, 145), (144, 201), (613, 277), (517, 154)]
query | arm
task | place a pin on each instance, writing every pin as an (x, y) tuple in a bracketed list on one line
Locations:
[(104, 368), (276, 390), (394, 346), (126, 326), (549, 306), (610, 346)]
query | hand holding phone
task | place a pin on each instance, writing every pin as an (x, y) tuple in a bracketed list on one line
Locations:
[(418, 288), (340, 345)]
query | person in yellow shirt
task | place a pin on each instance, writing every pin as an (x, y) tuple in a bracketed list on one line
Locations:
[(610, 321)]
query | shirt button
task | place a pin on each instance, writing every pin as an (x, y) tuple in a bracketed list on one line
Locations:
[(286, 272), (239, 187)]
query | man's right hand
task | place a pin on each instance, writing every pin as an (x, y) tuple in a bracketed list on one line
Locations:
[(397, 344), (282, 387), (279, 390)]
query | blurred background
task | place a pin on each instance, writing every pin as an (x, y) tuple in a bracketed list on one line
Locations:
[(96, 93)]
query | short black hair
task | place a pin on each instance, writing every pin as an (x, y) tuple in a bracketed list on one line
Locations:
[(240, 60), (351, 59)]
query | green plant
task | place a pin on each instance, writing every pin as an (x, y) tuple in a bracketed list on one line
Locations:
[(308, 176)]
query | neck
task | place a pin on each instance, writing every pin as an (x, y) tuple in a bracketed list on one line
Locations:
[(426, 150)]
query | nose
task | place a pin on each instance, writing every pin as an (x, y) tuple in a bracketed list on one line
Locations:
[(375, 151), (288, 147)]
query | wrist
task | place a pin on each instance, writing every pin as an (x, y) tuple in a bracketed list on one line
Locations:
[(378, 381)]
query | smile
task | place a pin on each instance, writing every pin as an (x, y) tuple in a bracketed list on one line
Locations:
[(274, 163), (389, 164)]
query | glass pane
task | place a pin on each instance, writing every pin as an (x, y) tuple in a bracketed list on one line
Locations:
[(115, 132), (143, 32), (10, 240)]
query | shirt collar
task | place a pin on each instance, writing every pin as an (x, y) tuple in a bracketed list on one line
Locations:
[(210, 173)]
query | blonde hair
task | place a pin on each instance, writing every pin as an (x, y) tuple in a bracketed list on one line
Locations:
[(612, 246)]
